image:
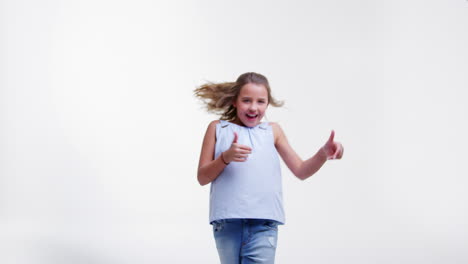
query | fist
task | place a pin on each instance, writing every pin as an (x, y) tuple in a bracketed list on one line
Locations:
[(236, 152), (332, 149)]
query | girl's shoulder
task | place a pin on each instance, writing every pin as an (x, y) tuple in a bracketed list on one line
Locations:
[(212, 125), (214, 122), (274, 126), (277, 131), (211, 130)]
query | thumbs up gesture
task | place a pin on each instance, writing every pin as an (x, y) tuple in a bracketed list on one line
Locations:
[(236, 152), (333, 150)]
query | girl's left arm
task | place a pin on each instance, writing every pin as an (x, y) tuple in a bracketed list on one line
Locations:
[(304, 169)]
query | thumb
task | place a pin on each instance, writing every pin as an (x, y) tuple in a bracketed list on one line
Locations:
[(332, 136), (235, 138)]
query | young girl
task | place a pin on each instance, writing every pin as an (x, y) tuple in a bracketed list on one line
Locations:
[(239, 157)]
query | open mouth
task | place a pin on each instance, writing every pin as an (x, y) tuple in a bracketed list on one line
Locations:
[(249, 116)]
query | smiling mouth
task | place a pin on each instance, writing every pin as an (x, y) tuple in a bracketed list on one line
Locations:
[(251, 116)]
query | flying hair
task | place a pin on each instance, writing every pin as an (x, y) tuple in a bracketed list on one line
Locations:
[(219, 97)]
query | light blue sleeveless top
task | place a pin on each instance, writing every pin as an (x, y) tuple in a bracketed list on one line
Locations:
[(250, 189)]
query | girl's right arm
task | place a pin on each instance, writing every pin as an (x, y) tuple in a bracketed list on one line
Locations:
[(208, 167)]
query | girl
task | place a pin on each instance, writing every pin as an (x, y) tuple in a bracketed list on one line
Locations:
[(239, 157)]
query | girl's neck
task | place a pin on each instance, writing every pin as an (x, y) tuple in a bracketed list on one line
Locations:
[(238, 122)]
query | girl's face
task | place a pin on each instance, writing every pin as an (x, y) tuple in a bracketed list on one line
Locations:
[(251, 104)]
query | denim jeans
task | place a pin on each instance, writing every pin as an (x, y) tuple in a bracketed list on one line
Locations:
[(246, 241)]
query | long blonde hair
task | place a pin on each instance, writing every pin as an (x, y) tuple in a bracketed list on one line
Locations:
[(219, 97)]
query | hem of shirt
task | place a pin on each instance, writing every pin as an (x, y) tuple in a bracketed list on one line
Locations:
[(258, 218)]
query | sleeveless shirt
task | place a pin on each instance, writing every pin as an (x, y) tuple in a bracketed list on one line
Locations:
[(249, 189)]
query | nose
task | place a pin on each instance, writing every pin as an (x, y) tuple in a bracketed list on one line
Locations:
[(253, 107)]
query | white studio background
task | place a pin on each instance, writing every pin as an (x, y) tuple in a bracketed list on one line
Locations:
[(100, 133)]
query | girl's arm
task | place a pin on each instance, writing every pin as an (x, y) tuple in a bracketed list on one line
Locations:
[(304, 169), (208, 167)]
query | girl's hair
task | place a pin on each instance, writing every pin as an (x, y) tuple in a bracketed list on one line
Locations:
[(219, 97)]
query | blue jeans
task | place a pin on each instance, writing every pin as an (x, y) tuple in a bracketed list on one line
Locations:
[(246, 241)]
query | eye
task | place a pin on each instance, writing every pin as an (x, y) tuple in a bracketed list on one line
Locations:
[(261, 102), (246, 100)]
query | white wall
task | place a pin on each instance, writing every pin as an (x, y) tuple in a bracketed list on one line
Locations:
[(100, 133)]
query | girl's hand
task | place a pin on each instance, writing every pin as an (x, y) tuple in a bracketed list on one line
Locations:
[(236, 152), (333, 150)]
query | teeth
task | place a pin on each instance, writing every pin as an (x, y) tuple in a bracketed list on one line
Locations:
[(251, 115)]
